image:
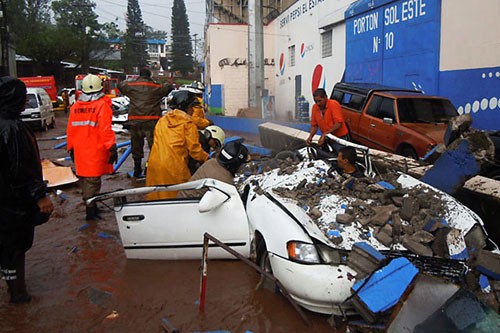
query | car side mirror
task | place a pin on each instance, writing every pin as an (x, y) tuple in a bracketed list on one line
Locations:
[(387, 121), (211, 200)]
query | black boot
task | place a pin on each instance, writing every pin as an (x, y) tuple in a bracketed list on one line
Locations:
[(138, 168), (92, 213), (17, 285)]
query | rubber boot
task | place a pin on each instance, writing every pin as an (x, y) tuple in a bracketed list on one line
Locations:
[(17, 286), (138, 168), (92, 213)]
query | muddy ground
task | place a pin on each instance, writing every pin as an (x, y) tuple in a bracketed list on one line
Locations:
[(81, 281)]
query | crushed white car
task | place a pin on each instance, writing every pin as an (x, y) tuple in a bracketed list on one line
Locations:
[(287, 220)]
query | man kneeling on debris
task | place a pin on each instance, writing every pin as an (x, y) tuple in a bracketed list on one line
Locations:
[(222, 168)]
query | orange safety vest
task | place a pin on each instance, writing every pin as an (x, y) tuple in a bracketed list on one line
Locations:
[(90, 136)]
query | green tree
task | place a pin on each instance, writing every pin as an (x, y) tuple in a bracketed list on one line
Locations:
[(77, 22), (182, 52), (35, 36), (134, 52)]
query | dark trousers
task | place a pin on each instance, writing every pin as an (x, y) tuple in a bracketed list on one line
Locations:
[(139, 131), (13, 246), (90, 186)]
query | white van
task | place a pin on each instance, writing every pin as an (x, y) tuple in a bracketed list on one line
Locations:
[(39, 111)]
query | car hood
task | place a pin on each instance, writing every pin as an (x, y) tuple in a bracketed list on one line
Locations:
[(319, 216), (433, 131)]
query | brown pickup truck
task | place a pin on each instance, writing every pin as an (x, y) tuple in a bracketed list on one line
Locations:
[(395, 120)]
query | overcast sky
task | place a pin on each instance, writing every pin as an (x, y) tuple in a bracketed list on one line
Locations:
[(155, 13)]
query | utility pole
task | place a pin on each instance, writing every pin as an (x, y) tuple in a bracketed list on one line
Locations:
[(195, 44), (255, 55), (4, 36)]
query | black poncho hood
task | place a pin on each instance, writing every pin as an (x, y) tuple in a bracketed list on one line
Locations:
[(12, 97)]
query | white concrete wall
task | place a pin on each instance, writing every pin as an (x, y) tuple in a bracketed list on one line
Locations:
[(227, 64), (470, 34), (302, 23)]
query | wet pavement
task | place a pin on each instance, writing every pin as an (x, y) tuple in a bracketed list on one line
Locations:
[(81, 281)]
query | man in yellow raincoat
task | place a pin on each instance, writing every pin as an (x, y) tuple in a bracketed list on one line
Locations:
[(197, 111), (175, 139)]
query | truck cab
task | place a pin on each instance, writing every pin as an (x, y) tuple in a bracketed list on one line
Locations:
[(396, 120)]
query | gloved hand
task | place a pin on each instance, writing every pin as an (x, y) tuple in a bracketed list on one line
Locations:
[(114, 154), (72, 155)]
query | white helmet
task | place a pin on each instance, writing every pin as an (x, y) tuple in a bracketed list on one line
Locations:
[(92, 84), (216, 133)]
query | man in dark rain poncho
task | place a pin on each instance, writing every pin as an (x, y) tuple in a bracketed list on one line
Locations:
[(23, 200)]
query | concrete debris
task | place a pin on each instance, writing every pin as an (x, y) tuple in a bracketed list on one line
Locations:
[(344, 218), (488, 263), (364, 259), (416, 247)]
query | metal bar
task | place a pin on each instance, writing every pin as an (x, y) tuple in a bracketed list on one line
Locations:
[(122, 158), (60, 145), (123, 144), (203, 278), (168, 327), (285, 293)]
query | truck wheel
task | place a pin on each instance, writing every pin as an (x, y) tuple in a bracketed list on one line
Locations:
[(409, 152)]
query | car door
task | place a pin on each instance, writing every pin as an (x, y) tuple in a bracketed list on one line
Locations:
[(174, 228), (381, 123)]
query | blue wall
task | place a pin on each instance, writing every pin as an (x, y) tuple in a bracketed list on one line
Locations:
[(397, 43)]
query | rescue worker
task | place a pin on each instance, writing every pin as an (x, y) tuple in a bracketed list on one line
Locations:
[(326, 115), (211, 139), (176, 138), (224, 167), (23, 194), (91, 141), (144, 112), (198, 110)]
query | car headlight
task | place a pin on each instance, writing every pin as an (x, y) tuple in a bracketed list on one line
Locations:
[(35, 115), (302, 252)]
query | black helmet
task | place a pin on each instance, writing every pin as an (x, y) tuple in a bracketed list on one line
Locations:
[(232, 155), (182, 99)]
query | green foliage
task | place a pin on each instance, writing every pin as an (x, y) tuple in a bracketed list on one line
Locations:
[(134, 52), (182, 54)]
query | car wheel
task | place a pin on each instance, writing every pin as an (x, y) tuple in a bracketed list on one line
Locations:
[(409, 152), (264, 263), (53, 123), (45, 127)]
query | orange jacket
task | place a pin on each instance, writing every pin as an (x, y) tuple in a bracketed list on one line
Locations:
[(90, 136), (175, 139), (333, 114)]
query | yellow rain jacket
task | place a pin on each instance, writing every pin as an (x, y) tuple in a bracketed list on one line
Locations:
[(198, 114), (175, 138)]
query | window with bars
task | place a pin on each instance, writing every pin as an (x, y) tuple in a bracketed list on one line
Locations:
[(291, 55), (326, 44)]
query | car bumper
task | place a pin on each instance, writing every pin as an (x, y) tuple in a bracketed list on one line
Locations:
[(318, 288)]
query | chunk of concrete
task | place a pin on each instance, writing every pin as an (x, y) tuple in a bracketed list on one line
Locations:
[(488, 263), (382, 214), (344, 218), (410, 208), (416, 247)]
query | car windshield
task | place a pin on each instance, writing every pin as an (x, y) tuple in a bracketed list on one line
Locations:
[(31, 101), (425, 110)]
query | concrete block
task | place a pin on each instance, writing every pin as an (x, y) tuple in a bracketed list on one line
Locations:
[(488, 263), (364, 259), (344, 218), (382, 214), (384, 289), (422, 236), (410, 208), (416, 247)]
